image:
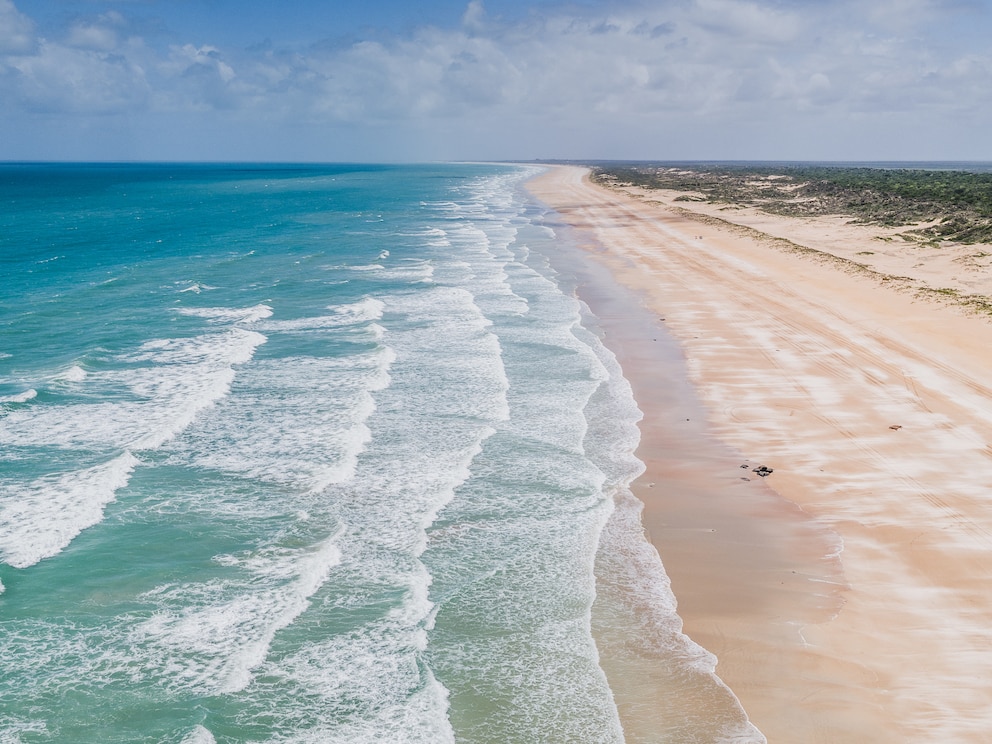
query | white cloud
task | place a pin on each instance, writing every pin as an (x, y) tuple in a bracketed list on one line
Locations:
[(745, 22), (16, 30), (565, 78), (474, 16), (189, 60), (62, 79), (92, 36)]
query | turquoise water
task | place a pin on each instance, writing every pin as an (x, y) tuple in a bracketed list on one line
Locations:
[(300, 453)]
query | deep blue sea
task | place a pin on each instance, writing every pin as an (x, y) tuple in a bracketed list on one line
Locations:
[(308, 454)]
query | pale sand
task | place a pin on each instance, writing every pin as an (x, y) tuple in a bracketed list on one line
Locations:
[(805, 366)]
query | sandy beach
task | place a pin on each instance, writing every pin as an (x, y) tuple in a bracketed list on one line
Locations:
[(845, 595)]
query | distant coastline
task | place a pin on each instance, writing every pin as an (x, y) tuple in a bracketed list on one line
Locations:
[(975, 166)]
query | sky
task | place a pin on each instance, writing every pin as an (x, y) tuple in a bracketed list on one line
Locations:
[(402, 81)]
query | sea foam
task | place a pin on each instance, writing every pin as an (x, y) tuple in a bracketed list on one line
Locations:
[(199, 735), (160, 388), (75, 373), (229, 315), (37, 520), (227, 626), (29, 394)]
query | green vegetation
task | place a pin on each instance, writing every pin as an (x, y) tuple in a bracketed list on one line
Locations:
[(937, 205)]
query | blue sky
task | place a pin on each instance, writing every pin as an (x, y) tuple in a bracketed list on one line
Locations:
[(386, 80)]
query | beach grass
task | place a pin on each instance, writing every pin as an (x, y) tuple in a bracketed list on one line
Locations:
[(934, 205)]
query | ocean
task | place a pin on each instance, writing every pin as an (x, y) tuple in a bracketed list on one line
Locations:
[(317, 453)]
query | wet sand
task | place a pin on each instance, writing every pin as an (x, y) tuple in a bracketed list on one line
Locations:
[(846, 594)]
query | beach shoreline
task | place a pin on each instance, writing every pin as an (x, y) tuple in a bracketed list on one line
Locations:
[(842, 594)]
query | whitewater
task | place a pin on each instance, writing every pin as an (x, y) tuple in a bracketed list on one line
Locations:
[(310, 454)]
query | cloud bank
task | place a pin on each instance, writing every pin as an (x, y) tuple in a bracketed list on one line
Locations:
[(841, 79)]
